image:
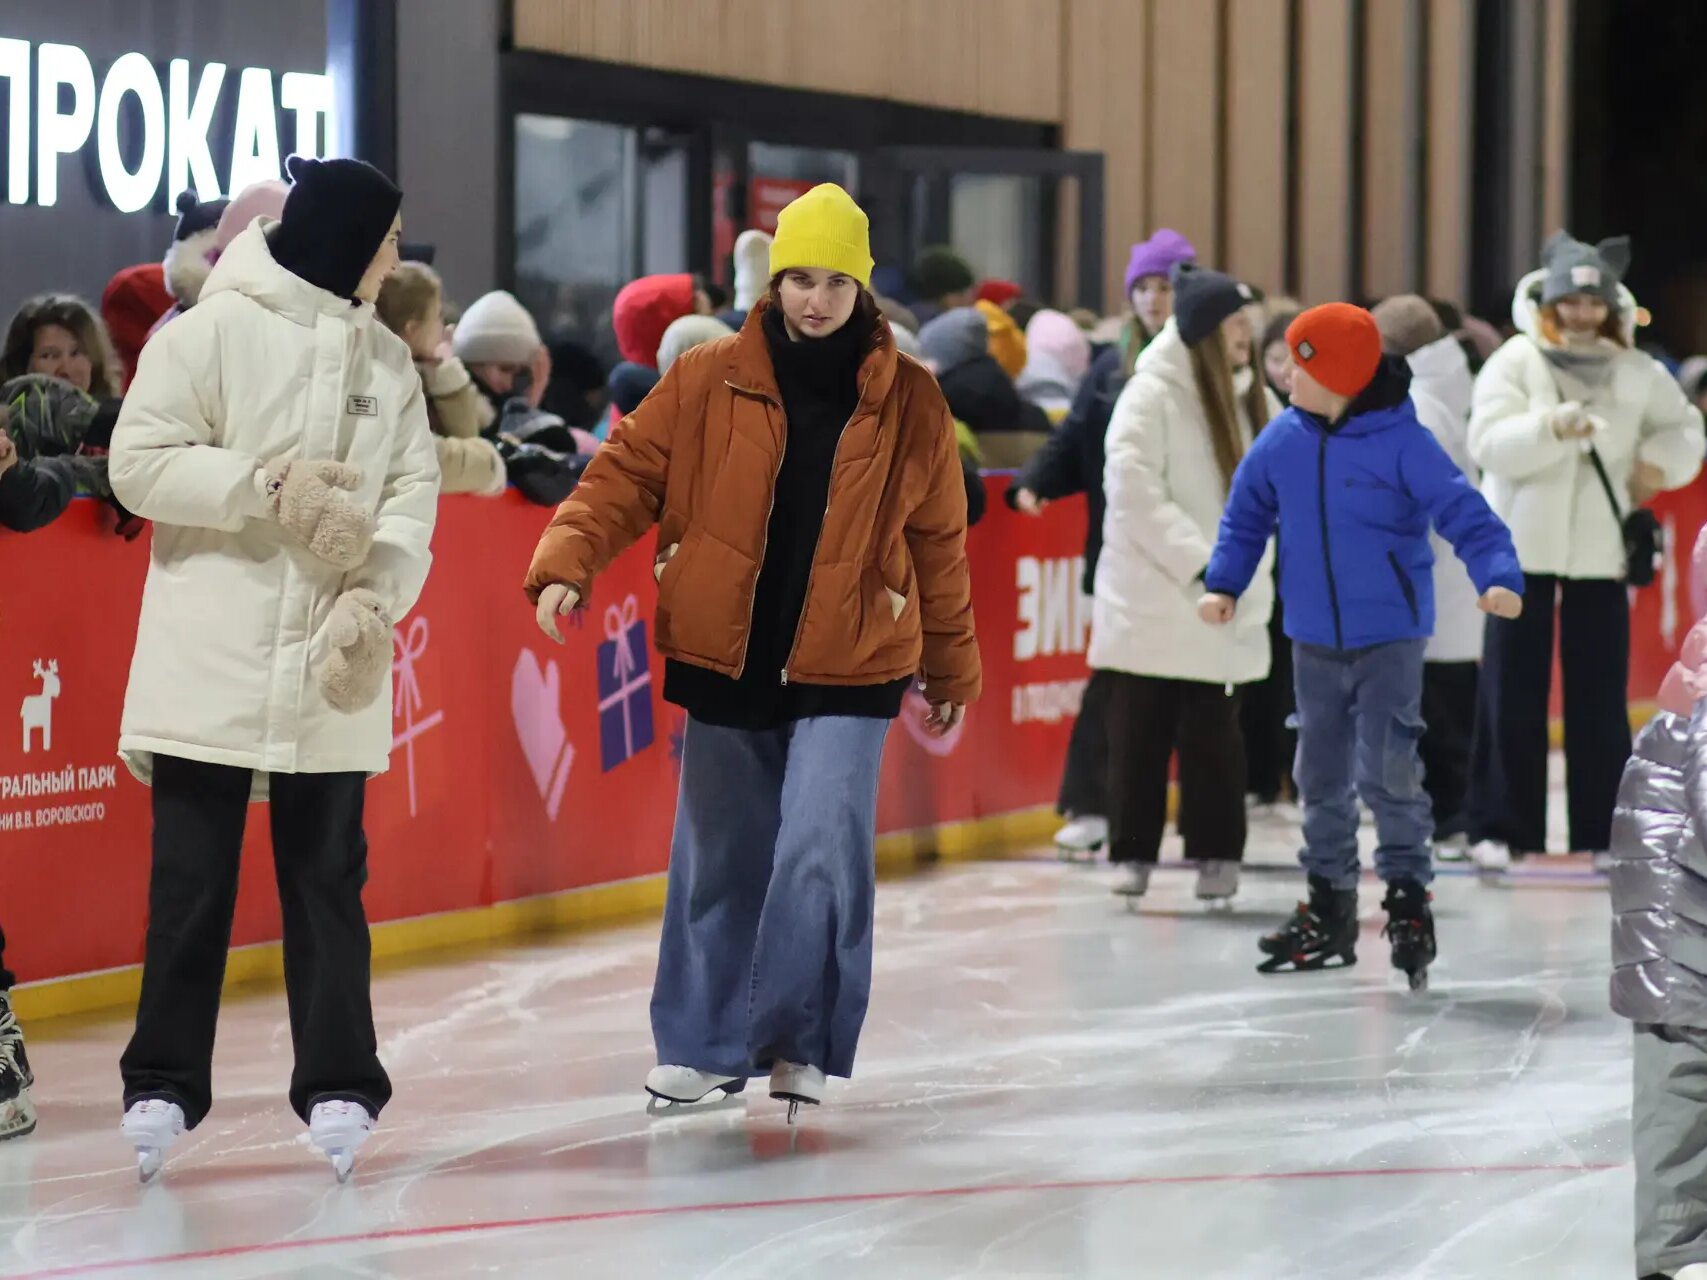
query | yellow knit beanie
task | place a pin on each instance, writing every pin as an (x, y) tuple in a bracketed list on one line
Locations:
[(824, 228)]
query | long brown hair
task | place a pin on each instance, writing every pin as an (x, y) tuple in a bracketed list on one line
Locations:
[(1212, 370), (70, 313)]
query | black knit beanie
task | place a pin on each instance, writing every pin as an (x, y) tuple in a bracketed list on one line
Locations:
[(1203, 299), (336, 217), (196, 215)]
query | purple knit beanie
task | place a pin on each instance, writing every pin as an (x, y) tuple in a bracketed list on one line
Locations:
[(1157, 255)]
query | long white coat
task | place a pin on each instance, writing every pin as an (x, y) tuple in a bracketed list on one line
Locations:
[(1165, 497), (1545, 488), (265, 367), (1441, 389)]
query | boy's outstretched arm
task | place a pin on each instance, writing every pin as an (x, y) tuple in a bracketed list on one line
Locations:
[(1253, 508), (1464, 519)]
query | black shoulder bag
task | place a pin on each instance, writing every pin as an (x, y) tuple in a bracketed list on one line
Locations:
[(1644, 536)]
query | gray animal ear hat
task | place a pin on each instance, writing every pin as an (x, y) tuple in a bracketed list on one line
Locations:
[(1575, 267)]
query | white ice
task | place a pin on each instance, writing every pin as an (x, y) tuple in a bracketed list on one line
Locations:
[(1048, 1086)]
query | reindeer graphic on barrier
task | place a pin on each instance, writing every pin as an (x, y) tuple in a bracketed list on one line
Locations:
[(37, 711)]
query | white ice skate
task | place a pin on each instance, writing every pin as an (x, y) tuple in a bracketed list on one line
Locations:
[(151, 1125), (1603, 865), (1132, 882), (1694, 1271), (1217, 882), (679, 1090), (338, 1127), (1492, 858), (797, 1085), (1452, 849), (1081, 838)]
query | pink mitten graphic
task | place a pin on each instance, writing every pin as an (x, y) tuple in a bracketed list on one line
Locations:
[(914, 710), (536, 708)]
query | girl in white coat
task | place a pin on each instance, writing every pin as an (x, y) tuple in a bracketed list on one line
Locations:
[(1176, 436), (1569, 387), (277, 437)]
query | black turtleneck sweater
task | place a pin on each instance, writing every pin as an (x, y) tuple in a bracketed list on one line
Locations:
[(820, 383)]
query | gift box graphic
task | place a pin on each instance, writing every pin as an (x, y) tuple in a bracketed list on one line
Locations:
[(625, 686)]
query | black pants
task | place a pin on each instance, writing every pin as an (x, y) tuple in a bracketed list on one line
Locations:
[(1449, 711), (1508, 777), (320, 862), (1270, 745), (1084, 780), (1148, 719)]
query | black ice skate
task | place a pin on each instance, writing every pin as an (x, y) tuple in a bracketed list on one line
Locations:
[(1322, 933), (1410, 929), (17, 1113)]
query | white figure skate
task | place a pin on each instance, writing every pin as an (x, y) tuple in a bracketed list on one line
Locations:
[(151, 1125), (1082, 838), (1132, 882), (680, 1090), (1694, 1271), (797, 1085), (338, 1127), (1217, 882), (1492, 858)]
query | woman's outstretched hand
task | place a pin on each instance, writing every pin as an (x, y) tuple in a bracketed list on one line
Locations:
[(556, 600)]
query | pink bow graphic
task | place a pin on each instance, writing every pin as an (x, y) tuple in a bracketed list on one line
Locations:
[(409, 644), (618, 622)]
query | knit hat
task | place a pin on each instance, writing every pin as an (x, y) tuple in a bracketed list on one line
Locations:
[(264, 199), (642, 311), (906, 341), (495, 329), (629, 384), (1053, 334), (955, 338), (898, 316), (1007, 343), (1575, 267), (752, 268), (133, 300), (824, 228), (1203, 299), (1338, 345), (939, 272), (687, 333), (1157, 256), (1408, 323), (196, 215), (1000, 292), (335, 219)]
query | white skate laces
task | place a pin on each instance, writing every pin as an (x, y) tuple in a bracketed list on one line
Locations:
[(151, 1125), (337, 1128)]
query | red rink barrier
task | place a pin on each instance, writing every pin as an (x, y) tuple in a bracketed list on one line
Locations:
[(520, 768)]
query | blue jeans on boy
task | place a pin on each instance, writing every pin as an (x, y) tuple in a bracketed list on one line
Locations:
[(766, 948), (1359, 723)]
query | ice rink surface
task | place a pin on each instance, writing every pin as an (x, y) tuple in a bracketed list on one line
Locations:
[(1048, 1086)]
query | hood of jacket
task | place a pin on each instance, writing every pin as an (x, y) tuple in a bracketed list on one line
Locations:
[(1526, 308), (644, 309), (247, 267), (1166, 356), (1046, 377), (1442, 370)]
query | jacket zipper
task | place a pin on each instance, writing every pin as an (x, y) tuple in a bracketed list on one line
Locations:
[(764, 540), (1406, 586), (813, 564), (1327, 544)]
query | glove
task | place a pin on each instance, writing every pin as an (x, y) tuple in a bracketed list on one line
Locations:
[(1570, 421), (358, 636), (308, 499)]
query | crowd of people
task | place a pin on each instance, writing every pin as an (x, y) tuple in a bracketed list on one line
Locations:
[(1331, 551)]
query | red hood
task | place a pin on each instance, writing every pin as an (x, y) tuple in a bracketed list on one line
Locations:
[(644, 309), (134, 299)]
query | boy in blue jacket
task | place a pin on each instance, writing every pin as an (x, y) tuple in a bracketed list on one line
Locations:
[(1352, 481)]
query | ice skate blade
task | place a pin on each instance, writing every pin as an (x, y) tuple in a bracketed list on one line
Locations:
[(1289, 964), (1418, 980), (342, 1164), (149, 1161), (17, 1118), (795, 1102), (720, 1099)]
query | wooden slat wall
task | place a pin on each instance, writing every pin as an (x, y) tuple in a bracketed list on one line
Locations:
[(1324, 150), (1391, 182), (1556, 120), (1184, 147), (1451, 73), (994, 57), (1257, 86)]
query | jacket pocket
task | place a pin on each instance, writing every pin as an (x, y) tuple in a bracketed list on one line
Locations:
[(1405, 585)]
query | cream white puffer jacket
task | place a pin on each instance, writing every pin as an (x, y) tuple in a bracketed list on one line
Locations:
[(1165, 497), (1545, 488), (1441, 390), (265, 368)]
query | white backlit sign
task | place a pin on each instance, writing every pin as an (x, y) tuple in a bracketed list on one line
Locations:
[(67, 110)]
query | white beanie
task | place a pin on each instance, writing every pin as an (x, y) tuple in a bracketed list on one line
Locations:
[(752, 268), (685, 334), (495, 329)]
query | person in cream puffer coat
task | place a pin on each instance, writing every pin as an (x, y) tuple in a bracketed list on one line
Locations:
[(1569, 382), (277, 436)]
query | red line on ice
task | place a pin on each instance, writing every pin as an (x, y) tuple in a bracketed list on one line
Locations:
[(859, 1197)]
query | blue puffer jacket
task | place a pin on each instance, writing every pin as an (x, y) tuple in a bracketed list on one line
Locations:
[(1353, 501)]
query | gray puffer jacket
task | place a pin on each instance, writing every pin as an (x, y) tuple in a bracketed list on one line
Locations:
[(1659, 880)]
